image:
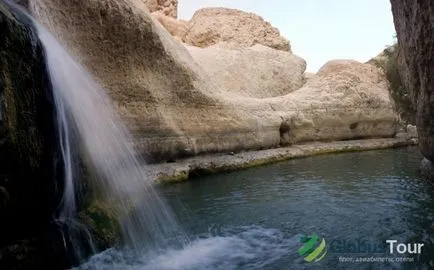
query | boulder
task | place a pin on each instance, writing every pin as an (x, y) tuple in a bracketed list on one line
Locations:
[(164, 7), (178, 104), (210, 26), (414, 23), (256, 71)]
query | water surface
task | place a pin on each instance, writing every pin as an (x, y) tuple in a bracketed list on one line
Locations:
[(253, 219)]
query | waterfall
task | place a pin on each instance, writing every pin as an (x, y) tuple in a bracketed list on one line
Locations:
[(89, 127), (108, 146)]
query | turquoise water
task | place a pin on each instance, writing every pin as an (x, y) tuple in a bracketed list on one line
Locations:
[(254, 219)]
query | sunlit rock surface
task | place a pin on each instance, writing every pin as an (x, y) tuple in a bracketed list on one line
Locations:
[(177, 106), (256, 72), (211, 26)]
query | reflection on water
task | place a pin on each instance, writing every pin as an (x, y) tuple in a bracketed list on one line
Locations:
[(253, 219)]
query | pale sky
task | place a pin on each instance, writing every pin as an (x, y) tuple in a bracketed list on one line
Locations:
[(318, 30)]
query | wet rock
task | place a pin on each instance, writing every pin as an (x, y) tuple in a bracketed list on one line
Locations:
[(30, 167), (29, 153), (102, 224)]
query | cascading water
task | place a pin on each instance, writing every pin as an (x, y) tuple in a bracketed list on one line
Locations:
[(89, 130), (88, 123)]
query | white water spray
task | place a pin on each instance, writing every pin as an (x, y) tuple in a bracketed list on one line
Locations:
[(88, 122)]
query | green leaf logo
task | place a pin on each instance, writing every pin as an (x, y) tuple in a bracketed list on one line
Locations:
[(310, 250)]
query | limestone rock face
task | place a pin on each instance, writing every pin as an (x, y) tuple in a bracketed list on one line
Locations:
[(167, 100), (210, 26), (257, 71), (178, 104), (177, 28), (414, 23), (164, 7), (345, 99)]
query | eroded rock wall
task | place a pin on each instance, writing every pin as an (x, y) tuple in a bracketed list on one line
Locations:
[(414, 23), (30, 169), (179, 104)]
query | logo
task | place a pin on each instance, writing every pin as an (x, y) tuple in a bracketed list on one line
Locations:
[(311, 251)]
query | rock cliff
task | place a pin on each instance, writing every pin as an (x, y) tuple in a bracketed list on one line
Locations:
[(30, 169), (257, 71), (179, 101), (414, 23)]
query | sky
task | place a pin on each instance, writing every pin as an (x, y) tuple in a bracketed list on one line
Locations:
[(318, 30)]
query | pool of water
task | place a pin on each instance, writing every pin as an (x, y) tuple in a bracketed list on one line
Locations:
[(255, 218)]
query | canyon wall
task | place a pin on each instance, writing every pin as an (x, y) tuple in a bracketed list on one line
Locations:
[(180, 100), (414, 23)]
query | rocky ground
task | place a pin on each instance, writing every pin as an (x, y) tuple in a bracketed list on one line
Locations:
[(209, 164)]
